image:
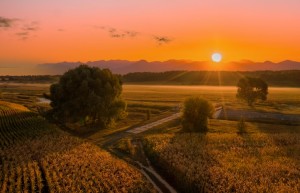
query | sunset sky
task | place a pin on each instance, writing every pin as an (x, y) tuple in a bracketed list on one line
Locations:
[(87, 30)]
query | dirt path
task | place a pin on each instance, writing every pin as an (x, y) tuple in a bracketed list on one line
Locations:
[(141, 159), (167, 119), (153, 124)]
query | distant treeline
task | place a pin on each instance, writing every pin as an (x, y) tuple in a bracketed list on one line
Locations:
[(289, 78), (30, 79)]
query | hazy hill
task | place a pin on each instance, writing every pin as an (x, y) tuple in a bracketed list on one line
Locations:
[(124, 66)]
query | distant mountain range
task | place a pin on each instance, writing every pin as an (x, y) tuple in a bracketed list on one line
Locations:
[(124, 66)]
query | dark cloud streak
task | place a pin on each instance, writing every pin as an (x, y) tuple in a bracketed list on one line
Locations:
[(120, 34), (22, 29), (23, 35), (28, 30), (117, 33), (162, 39), (7, 22)]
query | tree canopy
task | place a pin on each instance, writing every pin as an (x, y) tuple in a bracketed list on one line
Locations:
[(87, 94), (196, 113), (252, 89)]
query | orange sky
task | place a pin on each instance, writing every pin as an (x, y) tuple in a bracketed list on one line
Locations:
[(87, 30)]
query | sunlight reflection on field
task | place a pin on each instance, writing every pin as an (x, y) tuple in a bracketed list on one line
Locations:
[(280, 99)]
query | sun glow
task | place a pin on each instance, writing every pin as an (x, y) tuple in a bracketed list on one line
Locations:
[(216, 57)]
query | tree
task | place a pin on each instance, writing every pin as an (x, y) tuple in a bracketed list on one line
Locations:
[(196, 113), (252, 89), (87, 94)]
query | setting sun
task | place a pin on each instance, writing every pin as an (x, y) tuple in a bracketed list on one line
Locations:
[(216, 57)]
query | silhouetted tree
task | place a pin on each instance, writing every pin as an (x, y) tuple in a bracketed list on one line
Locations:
[(252, 89), (196, 113), (87, 94)]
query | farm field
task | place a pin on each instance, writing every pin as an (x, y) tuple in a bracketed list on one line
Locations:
[(38, 157), (284, 100), (261, 158), (160, 98), (161, 101)]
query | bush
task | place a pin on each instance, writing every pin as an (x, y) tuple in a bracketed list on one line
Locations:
[(196, 113)]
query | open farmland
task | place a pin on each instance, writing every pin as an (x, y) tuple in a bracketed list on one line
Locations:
[(37, 157), (160, 98), (284, 100), (262, 158)]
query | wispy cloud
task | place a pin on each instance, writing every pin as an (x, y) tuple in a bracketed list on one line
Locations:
[(131, 33), (33, 26), (22, 29), (23, 35), (27, 30), (162, 39), (117, 33), (7, 22)]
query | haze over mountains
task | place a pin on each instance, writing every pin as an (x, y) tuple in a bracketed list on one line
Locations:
[(125, 66)]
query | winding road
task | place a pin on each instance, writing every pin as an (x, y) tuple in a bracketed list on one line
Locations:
[(143, 128)]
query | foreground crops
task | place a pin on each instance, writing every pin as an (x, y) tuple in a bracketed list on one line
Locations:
[(36, 157), (228, 162)]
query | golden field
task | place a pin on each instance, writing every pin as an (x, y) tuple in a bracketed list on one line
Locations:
[(37, 157), (261, 159)]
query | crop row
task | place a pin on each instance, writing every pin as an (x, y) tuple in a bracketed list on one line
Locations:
[(37, 157), (228, 162), (17, 125)]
